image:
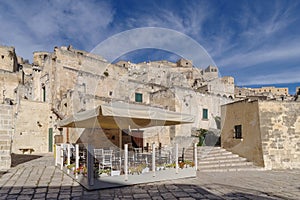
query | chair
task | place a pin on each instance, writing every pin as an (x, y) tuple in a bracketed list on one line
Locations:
[(138, 155), (106, 159), (98, 153), (117, 160)]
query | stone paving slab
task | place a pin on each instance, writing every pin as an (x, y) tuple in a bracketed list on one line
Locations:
[(39, 179)]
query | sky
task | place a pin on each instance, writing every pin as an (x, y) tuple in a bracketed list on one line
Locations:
[(257, 42)]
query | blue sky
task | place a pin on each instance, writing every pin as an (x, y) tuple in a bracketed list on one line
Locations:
[(257, 42)]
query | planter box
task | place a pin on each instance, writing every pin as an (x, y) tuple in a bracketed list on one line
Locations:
[(147, 177), (115, 173), (145, 170)]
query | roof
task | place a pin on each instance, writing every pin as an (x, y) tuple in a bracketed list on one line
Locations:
[(120, 115)]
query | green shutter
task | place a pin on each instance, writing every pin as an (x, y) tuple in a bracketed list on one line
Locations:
[(204, 113), (44, 94), (138, 97), (50, 139)]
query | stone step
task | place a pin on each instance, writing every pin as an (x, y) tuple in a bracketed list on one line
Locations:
[(215, 154), (238, 159), (217, 159), (208, 151), (232, 169), (225, 165)]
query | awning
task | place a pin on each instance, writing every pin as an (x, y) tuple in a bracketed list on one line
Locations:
[(120, 115)]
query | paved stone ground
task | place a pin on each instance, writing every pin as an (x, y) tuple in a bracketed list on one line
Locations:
[(39, 179)]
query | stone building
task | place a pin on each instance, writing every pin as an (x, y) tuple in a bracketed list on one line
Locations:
[(265, 132), (93, 81), (274, 90), (66, 81), (10, 77), (219, 86), (263, 93), (6, 130)]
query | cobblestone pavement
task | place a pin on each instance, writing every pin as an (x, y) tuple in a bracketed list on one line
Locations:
[(39, 179)]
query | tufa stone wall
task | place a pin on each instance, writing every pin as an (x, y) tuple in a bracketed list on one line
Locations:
[(8, 59), (270, 132), (8, 83), (6, 122), (31, 126), (280, 134), (75, 80), (246, 114)]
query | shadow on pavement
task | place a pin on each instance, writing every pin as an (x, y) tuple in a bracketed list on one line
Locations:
[(153, 191), (17, 159)]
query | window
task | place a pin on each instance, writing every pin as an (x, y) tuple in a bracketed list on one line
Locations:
[(238, 131), (138, 97), (205, 113), (44, 93)]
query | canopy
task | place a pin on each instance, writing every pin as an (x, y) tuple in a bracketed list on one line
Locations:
[(120, 115)]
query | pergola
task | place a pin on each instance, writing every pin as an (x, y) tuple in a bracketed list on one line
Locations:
[(120, 115)]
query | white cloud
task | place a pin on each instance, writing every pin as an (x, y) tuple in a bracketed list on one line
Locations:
[(44, 24), (290, 76), (188, 19), (156, 38), (257, 35), (277, 52)]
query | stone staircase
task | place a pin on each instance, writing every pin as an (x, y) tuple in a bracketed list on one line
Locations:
[(217, 159)]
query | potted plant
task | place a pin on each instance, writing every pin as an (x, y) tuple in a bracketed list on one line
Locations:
[(181, 164), (160, 167), (170, 165), (71, 167), (138, 169), (81, 170), (104, 172), (189, 163)]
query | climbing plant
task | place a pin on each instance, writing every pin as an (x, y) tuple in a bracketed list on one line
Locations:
[(201, 134)]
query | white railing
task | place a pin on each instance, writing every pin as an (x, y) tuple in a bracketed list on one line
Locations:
[(83, 161)]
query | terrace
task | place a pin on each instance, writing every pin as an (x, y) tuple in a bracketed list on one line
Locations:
[(98, 168)]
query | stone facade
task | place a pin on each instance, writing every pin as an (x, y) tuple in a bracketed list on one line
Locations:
[(274, 90), (280, 134), (9, 75), (60, 83), (219, 86), (31, 127), (270, 132), (6, 130), (263, 93), (8, 59), (92, 81), (66, 81), (246, 114)]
